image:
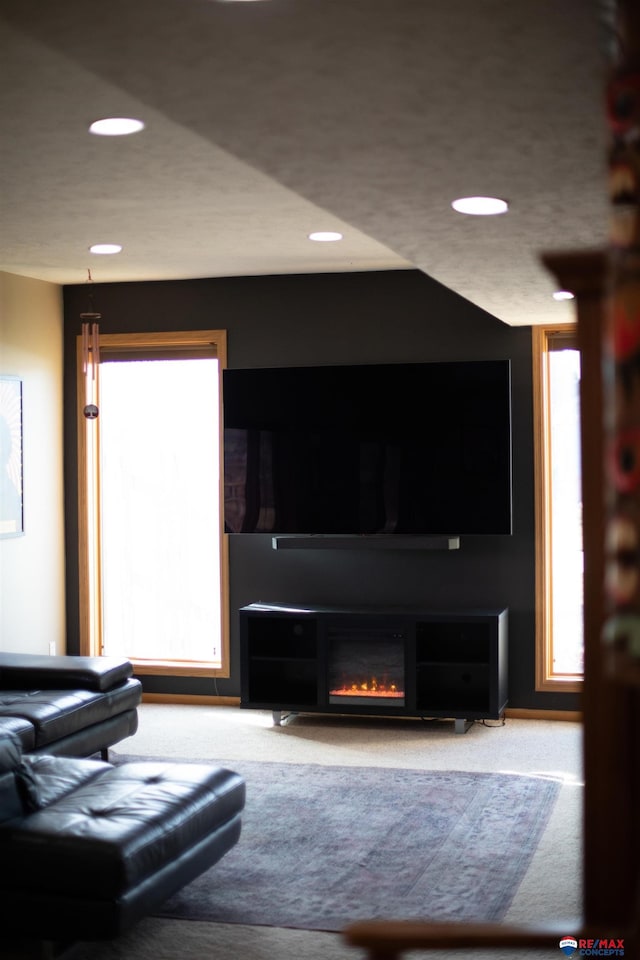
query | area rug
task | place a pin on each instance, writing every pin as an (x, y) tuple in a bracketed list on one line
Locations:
[(322, 846)]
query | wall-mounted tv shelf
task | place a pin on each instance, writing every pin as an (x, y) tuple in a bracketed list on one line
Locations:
[(377, 661), (364, 542)]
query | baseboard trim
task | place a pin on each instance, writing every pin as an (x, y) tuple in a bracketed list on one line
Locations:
[(188, 698), (522, 713)]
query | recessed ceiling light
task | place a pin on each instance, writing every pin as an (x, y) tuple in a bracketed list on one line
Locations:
[(563, 295), (105, 248), (480, 206), (116, 126), (325, 236)]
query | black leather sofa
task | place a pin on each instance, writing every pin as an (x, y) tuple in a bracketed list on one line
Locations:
[(65, 705), (88, 848)]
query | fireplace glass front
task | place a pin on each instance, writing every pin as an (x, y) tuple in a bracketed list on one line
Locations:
[(366, 667)]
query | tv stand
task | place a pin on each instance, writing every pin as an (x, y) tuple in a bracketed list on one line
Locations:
[(377, 661)]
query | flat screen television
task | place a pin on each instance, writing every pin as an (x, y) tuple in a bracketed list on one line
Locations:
[(370, 449)]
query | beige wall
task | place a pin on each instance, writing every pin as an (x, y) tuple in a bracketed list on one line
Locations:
[(32, 595)]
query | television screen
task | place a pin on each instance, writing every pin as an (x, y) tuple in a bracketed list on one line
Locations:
[(406, 448)]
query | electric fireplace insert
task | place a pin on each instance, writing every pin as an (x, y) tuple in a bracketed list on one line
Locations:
[(366, 666)]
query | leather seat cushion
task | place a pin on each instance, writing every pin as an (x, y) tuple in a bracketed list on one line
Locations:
[(55, 714), (118, 827)]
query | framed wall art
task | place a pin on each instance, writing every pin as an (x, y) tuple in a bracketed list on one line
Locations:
[(11, 488)]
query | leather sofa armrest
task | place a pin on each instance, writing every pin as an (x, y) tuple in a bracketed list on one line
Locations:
[(10, 753), (11, 798), (26, 671)]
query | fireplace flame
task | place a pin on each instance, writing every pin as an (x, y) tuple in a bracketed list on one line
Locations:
[(369, 687)]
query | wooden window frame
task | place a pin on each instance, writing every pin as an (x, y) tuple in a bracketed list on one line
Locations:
[(546, 679), (178, 343)]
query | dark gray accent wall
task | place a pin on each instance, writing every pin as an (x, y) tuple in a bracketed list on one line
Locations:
[(395, 316)]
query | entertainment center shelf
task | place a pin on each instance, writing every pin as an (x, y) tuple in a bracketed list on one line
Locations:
[(384, 661)]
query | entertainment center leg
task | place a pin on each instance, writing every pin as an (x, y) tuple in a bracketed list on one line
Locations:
[(461, 726), (279, 717)]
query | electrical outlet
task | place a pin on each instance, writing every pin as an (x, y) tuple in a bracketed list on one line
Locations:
[(52, 648)]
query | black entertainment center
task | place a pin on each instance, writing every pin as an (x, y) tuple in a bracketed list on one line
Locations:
[(380, 661)]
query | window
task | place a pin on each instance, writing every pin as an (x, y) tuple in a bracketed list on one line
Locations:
[(559, 550), (152, 546)]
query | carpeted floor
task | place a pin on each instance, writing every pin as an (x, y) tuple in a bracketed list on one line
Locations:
[(549, 892), (341, 844)]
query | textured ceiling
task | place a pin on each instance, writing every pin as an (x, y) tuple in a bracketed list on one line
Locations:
[(266, 120)]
